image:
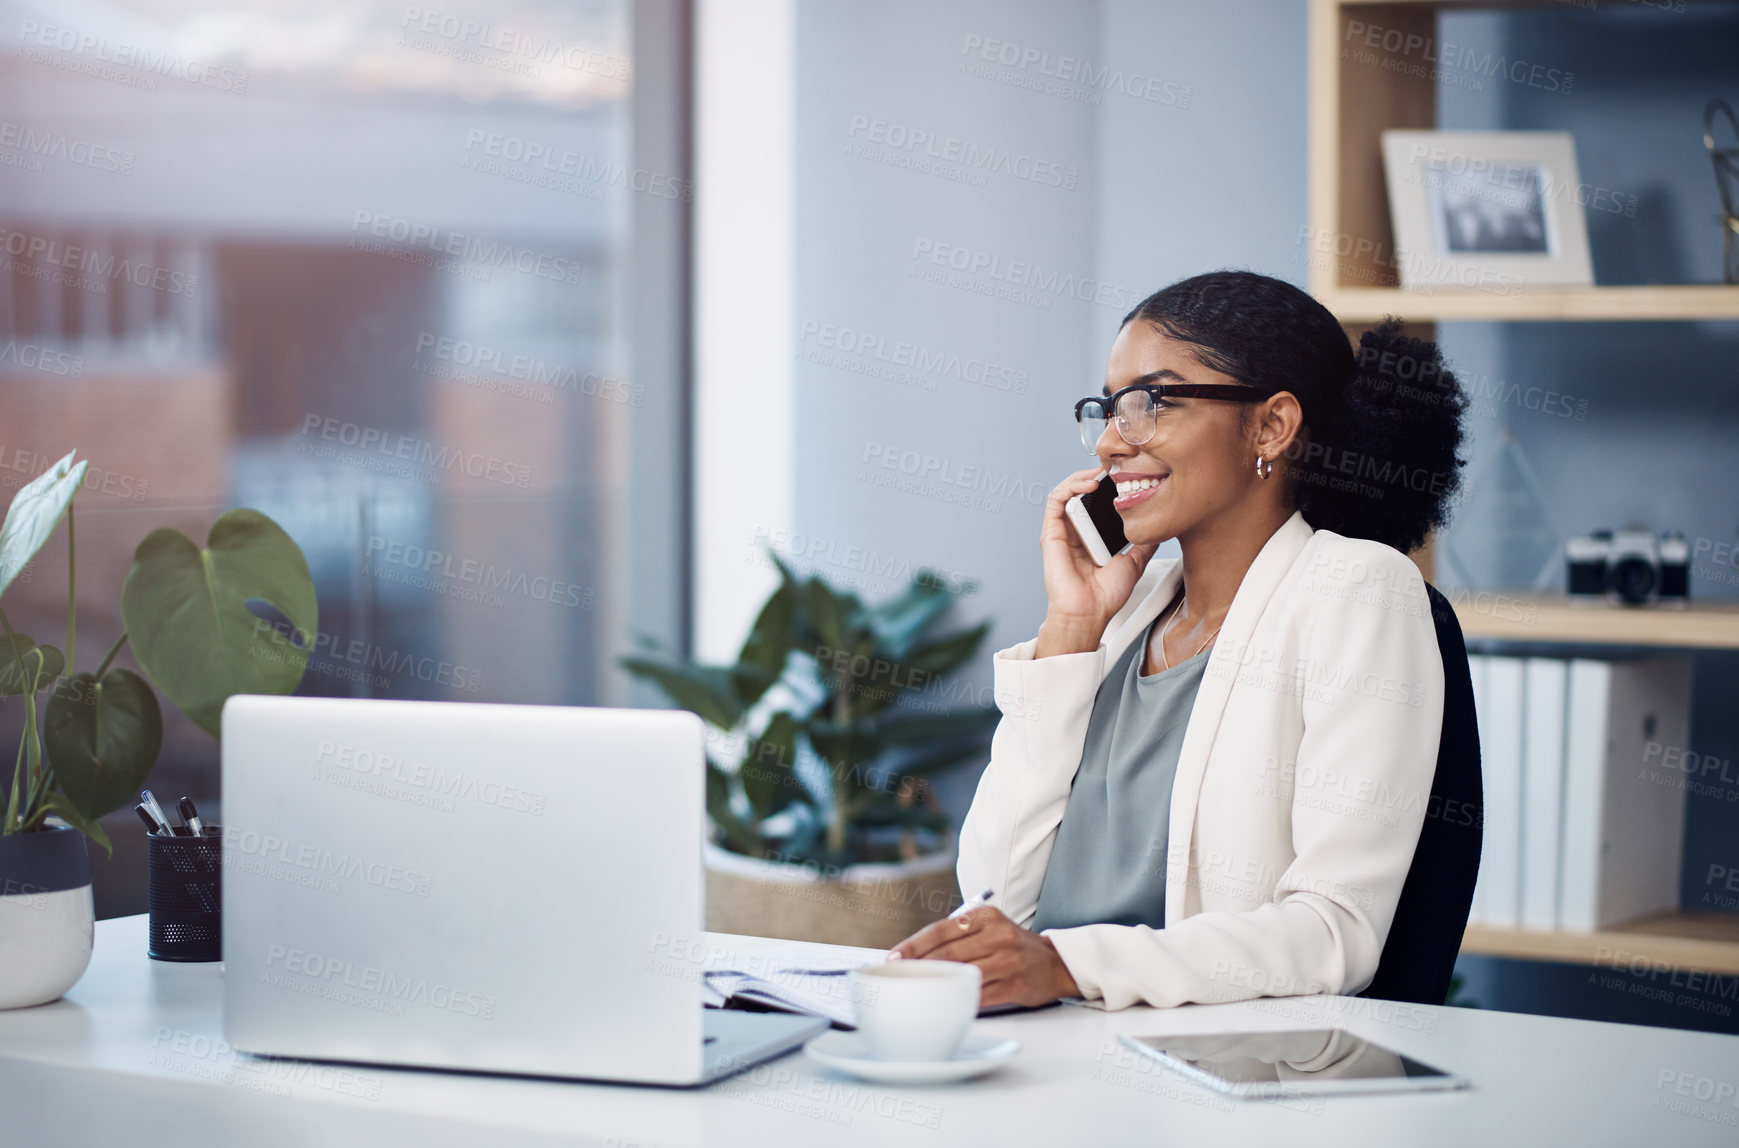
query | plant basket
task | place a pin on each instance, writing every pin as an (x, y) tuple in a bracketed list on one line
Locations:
[(874, 904)]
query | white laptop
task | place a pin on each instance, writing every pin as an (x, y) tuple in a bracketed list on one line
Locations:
[(498, 888)]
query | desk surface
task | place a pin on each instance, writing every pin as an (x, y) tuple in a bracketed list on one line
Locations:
[(133, 1056)]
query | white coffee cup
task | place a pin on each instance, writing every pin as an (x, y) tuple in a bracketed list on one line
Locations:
[(916, 1010)]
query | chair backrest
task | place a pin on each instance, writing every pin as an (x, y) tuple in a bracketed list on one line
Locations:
[(1419, 955)]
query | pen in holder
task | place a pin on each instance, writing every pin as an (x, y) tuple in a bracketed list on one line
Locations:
[(185, 890)]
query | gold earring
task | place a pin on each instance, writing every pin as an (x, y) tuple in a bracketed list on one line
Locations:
[(1264, 467)]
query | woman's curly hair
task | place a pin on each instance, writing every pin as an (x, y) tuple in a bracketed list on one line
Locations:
[(1378, 459)]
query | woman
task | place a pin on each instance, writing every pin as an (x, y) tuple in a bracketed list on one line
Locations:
[(1211, 771)]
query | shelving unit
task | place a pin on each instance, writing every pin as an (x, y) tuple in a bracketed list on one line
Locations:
[(1530, 616), (1350, 107), (1704, 942), (1367, 305)]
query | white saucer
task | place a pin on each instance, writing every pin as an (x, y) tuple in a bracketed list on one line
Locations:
[(850, 1052)]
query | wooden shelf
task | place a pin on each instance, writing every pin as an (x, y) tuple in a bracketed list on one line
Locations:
[(1613, 304), (1465, 4), (1530, 616), (1679, 941), (1391, 86)]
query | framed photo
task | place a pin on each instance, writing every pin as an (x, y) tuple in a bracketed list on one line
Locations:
[(1493, 211)]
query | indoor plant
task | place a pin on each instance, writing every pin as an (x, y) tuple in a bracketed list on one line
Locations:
[(186, 613), (823, 739)]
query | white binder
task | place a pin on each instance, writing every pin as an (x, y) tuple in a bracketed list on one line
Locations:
[(1500, 750), (1542, 791), (1624, 802)]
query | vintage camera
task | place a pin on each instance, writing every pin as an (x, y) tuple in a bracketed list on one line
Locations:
[(1628, 566)]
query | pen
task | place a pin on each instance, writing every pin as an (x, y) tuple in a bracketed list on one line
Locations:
[(191, 816), (151, 823), (156, 811), (983, 898)]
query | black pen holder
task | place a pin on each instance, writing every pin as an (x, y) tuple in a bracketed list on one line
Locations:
[(185, 895)]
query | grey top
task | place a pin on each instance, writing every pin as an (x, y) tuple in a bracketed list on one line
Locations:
[(1108, 863)]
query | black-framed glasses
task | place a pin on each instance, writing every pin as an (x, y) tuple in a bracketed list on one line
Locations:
[(1136, 405)]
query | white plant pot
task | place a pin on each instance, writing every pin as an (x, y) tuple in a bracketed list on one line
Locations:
[(873, 905), (47, 918)]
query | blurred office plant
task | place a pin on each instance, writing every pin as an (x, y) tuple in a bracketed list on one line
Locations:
[(186, 612), (812, 764)]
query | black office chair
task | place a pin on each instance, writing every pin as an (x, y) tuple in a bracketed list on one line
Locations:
[(1419, 955)]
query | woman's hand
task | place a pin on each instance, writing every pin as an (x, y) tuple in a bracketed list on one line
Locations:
[(1019, 966), (1081, 595)]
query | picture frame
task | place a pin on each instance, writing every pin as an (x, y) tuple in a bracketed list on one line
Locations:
[(1490, 211)]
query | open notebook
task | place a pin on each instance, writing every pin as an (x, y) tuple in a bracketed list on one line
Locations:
[(793, 976)]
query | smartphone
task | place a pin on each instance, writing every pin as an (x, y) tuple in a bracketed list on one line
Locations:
[(1097, 521)]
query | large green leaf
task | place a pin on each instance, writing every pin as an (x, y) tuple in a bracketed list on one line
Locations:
[(773, 633), (832, 615), (58, 806), (52, 665), (769, 782), (941, 759), (920, 728), (102, 739), (938, 657), (36, 510), (703, 690), (901, 621), (187, 615)]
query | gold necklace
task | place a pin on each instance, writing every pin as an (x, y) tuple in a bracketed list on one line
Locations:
[(1183, 605)]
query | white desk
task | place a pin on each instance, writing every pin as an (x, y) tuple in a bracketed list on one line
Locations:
[(132, 1057)]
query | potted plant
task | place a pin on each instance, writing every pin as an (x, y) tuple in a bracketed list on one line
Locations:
[(186, 613), (823, 740)]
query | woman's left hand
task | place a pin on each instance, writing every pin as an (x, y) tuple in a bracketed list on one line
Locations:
[(1019, 966)]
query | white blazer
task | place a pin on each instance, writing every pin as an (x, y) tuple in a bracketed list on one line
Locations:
[(1301, 784)]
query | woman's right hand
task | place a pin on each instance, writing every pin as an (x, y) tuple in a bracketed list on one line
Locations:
[(1082, 596)]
